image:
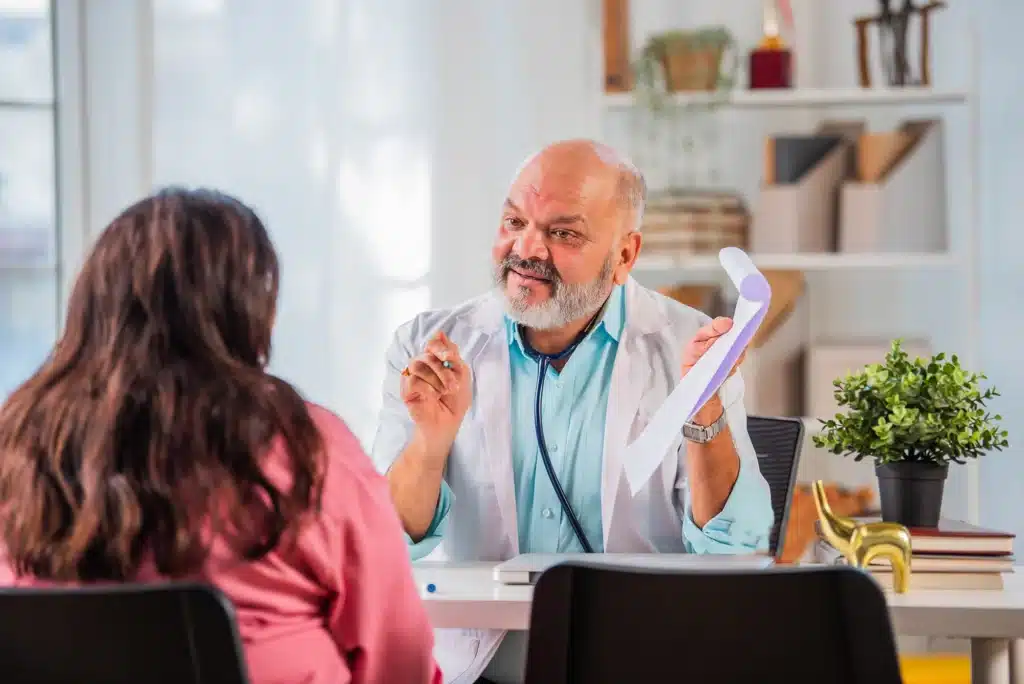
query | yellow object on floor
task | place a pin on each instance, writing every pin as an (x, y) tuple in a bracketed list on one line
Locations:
[(936, 668)]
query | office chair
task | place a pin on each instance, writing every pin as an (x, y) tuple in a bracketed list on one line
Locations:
[(778, 443), (119, 634), (800, 625)]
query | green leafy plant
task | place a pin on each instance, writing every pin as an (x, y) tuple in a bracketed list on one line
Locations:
[(921, 410), (649, 67)]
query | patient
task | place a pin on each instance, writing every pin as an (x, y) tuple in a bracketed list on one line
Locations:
[(154, 444)]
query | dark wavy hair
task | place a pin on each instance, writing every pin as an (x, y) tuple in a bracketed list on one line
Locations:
[(142, 436)]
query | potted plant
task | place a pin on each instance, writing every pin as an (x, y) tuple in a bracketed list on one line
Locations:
[(685, 61), (914, 418)]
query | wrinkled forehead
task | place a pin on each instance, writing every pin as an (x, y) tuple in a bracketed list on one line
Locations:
[(546, 187)]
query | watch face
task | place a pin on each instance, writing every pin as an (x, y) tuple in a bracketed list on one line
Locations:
[(703, 433), (694, 433)]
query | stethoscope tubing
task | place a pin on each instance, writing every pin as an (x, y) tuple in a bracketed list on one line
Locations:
[(542, 369), (544, 361)]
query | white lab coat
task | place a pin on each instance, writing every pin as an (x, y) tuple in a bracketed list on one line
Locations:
[(482, 520)]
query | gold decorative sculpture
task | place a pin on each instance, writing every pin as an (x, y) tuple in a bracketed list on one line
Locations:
[(860, 543)]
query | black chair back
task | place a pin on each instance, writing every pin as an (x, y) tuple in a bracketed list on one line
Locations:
[(119, 634), (800, 625), (778, 443)]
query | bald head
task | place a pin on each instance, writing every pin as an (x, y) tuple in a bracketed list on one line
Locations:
[(569, 233), (595, 159)]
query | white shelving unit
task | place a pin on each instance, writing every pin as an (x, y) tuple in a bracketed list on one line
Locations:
[(663, 269), (666, 264), (808, 97)]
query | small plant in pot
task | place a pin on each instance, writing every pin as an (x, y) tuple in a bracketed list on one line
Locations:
[(699, 60), (913, 417)]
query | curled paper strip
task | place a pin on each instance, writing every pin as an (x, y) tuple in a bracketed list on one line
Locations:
[(707, 375)]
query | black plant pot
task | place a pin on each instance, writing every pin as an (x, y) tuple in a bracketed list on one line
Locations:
[(911, 493)]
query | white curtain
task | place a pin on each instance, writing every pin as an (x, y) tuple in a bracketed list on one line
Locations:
[(376, 138)]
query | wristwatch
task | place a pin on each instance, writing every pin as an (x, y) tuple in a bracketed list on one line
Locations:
[(702, 434)]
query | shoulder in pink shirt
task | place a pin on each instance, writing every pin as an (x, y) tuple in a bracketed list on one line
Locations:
[(340, 604)]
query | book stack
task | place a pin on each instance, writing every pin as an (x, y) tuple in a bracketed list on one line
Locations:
[(692, 222), (955, 555)]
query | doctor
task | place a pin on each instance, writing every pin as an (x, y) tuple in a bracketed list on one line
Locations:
[(459, 433)]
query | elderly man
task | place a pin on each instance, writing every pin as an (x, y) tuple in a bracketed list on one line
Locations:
[(505, 419)]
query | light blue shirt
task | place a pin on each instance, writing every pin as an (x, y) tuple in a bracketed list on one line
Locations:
[(573, 414), (574, 407)]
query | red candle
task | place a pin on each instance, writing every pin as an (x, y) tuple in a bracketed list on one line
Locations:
[(771, 63), (771, 69)]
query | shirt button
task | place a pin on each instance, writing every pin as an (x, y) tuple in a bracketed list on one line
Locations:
[(547, 513), (554, 447)]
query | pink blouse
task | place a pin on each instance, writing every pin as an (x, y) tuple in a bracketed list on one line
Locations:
[(341, 604)]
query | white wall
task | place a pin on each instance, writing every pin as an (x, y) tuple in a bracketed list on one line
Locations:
[(1001, 137)]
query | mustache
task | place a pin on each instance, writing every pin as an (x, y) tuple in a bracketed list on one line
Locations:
[(532, 267)]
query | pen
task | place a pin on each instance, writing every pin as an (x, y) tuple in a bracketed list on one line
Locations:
[(430, 588)]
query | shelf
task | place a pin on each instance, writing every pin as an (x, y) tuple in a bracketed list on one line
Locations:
[(27, 104), (655, 263), (806, 97), (26, 266)]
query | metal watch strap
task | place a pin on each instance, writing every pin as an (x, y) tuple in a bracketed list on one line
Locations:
[(702, 434)]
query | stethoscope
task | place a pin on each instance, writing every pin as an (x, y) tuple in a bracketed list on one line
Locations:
[(543, 362)]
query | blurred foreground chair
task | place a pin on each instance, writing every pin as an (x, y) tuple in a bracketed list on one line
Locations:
[(119, 634), (598, 625)]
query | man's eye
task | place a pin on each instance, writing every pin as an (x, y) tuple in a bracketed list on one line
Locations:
[(561, 234), (513, 223)]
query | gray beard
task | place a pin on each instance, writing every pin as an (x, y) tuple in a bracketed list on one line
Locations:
[(568, 302)]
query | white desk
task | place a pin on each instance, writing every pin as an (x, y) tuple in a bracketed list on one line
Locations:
[(468, 596)]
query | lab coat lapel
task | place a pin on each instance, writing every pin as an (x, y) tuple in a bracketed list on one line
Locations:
[(623, 403), (492, 388), (630, 377)]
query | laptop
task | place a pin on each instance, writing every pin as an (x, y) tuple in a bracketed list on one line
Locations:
[(526, 568)]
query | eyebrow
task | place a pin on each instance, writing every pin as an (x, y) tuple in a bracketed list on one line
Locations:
[(561, 218)]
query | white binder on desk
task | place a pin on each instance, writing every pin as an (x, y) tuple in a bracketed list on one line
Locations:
[(526, 568)]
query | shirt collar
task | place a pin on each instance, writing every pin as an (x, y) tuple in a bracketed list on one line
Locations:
[(611, 323)]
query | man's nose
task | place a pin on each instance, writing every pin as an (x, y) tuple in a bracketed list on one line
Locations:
[(530, 244)]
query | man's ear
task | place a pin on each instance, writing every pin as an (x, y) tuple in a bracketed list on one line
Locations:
[(628, 252)]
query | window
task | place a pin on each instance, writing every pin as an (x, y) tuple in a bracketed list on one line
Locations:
[(29, 272)]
